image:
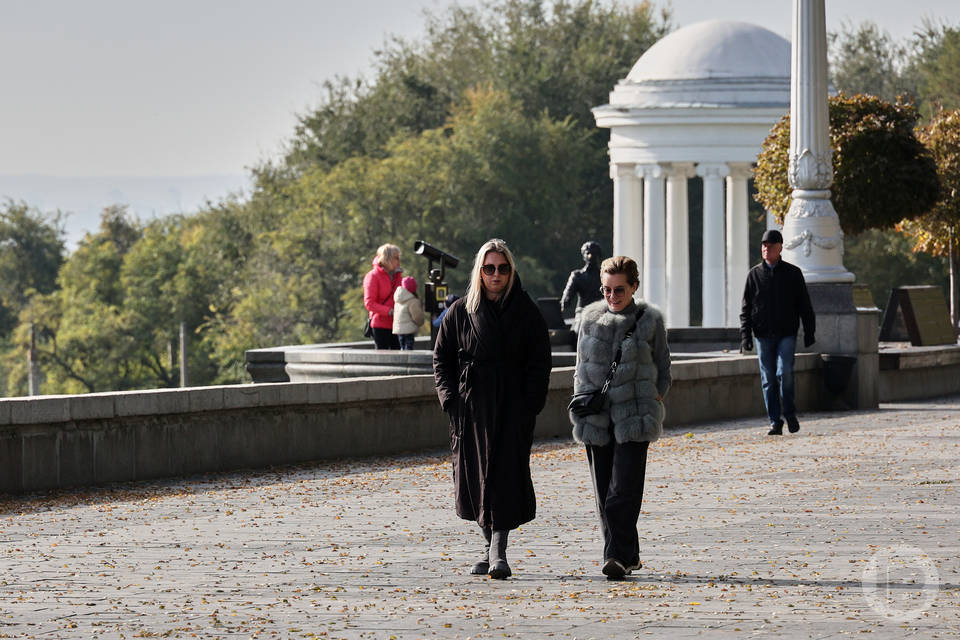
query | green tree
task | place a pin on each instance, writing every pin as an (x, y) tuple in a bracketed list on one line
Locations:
[(481, 128), (934, 60), (882, 173), (884, 260), (167, 280), (479, 102), (865, 59), (490, 170), (86, 343), (528, 179), (562, 57), (31, 252), (936, 233)]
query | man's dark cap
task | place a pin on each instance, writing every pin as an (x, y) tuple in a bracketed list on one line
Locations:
[(772, 236)]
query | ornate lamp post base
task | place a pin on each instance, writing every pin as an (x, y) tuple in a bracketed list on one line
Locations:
[(812, 238)]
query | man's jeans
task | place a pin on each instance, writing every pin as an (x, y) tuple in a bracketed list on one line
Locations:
[(776, 375)]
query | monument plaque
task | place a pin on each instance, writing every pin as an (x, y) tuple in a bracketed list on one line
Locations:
[(922, 312)]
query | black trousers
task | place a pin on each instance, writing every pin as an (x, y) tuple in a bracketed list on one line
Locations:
[(617, 471), (384, 339)]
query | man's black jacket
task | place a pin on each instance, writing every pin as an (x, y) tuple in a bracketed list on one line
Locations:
[(774, 302)]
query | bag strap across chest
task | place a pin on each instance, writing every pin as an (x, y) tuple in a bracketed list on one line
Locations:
[(616, 358)]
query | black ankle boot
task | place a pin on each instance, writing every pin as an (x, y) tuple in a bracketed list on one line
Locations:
[(482, 567), (499, 569)]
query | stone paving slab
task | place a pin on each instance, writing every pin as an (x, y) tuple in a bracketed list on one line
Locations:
[(849, 527)]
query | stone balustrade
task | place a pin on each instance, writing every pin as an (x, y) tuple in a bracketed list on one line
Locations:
[(50, 442)]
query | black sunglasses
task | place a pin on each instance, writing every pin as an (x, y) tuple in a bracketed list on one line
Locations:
[(503, 268)]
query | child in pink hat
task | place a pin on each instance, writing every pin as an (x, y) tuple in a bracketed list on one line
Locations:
[(407, 312)]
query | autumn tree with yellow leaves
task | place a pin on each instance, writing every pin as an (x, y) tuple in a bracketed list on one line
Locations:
[(936, 232)]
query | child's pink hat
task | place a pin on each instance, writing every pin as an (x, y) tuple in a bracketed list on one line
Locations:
[(410, 284)]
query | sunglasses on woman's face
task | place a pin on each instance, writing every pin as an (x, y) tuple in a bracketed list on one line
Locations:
[(617, 291), (503, 269)]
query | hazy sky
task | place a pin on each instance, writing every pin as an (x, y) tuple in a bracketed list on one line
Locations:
[(183, 88)]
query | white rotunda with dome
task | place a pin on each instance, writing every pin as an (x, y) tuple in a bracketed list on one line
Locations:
[(699, 102)]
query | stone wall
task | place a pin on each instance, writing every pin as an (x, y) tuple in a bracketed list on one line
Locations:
[(50, 442), (910, 373)]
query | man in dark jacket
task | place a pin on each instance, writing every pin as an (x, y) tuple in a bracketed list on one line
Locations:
[(775, 300)]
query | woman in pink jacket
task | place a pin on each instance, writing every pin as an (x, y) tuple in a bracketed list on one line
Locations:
[(378, 287)]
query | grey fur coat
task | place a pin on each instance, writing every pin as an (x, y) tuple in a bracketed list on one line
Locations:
[(634, 414)]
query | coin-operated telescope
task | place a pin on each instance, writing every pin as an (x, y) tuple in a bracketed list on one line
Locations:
[(435, 287)]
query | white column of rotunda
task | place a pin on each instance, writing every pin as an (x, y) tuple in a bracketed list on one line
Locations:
[(738, 237), (698, 103), (652, 225), (677, 306)]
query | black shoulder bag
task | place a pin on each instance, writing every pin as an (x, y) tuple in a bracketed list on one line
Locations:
[(588, 403)]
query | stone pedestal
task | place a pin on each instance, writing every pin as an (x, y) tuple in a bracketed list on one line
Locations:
[(843, 329)]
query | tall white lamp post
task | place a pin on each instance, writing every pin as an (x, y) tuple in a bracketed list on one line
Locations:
[(812, 236), (847, 337)]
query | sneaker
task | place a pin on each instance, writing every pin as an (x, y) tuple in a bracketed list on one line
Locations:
[(776, 429), (633, 567), (793, 424), (614, 569)]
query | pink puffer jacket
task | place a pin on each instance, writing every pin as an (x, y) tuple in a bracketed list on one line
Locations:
[(378, 288)]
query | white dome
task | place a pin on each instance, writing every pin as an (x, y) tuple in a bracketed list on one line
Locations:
[(717, 63), (715, 49)]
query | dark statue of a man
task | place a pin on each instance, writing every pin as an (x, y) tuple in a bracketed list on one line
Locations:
[(583, 284)]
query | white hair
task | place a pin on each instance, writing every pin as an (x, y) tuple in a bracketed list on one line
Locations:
[(387, 252)]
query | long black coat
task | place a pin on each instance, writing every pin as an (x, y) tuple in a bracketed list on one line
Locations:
[(492, 370)]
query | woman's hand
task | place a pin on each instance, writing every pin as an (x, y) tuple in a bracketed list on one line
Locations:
[(451, 406)]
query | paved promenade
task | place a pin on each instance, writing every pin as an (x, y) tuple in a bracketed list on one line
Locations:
[(851, 526)]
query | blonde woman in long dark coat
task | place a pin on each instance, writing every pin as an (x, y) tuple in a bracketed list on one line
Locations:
[(492, 368)]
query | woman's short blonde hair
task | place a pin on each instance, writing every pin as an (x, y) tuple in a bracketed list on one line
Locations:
[(387, 252), (475, 290), (621, 264)]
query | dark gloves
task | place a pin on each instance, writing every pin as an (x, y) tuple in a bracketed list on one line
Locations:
[(808, 339), (746, 344)]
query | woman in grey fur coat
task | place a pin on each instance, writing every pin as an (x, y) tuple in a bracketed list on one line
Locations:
[(617, 438)]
